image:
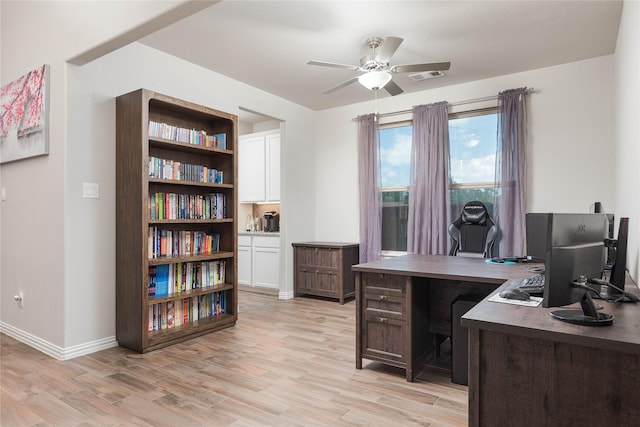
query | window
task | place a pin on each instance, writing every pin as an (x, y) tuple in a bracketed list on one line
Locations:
[(472, 139), (472, 151), (395, 158)]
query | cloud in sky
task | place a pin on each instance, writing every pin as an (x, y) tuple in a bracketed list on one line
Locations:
[(472, 151), (479, 169), (395, 157)]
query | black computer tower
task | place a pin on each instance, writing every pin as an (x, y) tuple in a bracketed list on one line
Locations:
[(460, 340)]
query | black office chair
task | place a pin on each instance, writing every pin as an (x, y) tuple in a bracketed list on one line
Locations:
[(474, 232)]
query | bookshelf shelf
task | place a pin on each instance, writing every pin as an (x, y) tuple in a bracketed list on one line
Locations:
[(191, 330), (190, 221), (183, 146), (191, 183), (192, 258), (199, 295), (190, 293)]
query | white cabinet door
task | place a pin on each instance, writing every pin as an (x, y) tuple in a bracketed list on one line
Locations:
[(273, 168), (266, 267), (244, 265), (259, 167), (251, 169), (266, 261)]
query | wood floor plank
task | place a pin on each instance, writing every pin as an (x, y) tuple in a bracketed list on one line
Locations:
[(285, 363)]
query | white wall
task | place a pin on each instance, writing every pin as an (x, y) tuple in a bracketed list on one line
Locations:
[(571, 127), (627, 107)]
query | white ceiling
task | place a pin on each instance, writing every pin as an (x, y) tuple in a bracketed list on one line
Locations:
[(267, 44)]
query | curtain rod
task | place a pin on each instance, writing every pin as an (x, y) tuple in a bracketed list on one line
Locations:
[(451, 104)]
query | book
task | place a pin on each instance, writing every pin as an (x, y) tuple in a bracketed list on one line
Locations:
[(152, 281), (170, 314), (162, 280)]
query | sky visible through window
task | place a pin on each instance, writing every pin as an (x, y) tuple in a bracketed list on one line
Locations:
[(472, 145), (472, 151)]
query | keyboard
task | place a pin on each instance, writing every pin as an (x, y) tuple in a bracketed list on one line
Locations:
[(533, 285)]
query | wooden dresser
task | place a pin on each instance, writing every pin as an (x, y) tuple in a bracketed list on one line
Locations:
[(324, 269)]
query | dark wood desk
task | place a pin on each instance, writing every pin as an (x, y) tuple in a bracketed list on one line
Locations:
[(402, 303), (527, 368)]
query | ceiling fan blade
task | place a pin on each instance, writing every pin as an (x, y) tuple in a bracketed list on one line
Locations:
[(393, 88), (333, 64), (388, 48), (341, 85), (418, 68)]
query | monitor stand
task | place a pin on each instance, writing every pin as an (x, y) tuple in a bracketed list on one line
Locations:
[(587, 316)]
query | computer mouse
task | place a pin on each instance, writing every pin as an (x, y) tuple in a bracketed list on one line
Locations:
[(515, 294)]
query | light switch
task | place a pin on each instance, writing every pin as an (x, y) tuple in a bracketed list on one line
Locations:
[(90, 190), (4, 194)]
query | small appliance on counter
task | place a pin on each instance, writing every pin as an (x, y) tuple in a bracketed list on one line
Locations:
[(271, 221)]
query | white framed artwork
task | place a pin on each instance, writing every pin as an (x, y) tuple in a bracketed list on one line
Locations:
[(24, 116)]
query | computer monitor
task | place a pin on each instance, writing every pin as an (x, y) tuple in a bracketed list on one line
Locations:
[(619, 267), (611, 250), (573, 249)]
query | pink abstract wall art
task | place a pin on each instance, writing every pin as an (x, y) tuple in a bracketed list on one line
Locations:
[(24, 116)]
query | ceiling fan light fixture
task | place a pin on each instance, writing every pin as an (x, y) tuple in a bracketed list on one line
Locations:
[(374, 80)]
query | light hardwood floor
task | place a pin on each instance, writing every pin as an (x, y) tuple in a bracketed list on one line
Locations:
[(285, 363)]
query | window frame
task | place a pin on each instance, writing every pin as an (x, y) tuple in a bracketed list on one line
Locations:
[(460, 186)]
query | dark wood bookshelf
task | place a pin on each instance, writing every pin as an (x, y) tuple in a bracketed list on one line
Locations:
[(134, 147)]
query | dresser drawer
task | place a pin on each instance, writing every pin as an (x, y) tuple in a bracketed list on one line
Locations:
[(325, 281), (319, 257)]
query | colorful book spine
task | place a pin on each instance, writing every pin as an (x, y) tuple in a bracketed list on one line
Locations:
[(162, 280)]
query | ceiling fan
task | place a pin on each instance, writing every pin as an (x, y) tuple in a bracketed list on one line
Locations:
[(377, 71)]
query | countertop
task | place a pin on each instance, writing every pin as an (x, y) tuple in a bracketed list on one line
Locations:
[(259, 233)]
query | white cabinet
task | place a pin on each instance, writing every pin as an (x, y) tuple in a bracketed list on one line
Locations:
[(259, 167), (266, 261), (273, 167), (244, 260), (259, 261)]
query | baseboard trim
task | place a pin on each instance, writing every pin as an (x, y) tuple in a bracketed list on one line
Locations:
[(56, 351), (286, 295)]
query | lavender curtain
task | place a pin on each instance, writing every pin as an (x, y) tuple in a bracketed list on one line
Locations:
[(369, 185), (429, 198), (511, 172)]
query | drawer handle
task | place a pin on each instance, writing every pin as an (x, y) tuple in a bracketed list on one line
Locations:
[(383, 319), (383, 298)]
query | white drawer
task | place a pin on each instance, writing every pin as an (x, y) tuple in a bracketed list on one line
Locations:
[(266, 241), (244, 240)]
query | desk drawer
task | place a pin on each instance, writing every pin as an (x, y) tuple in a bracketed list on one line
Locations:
[(383, 339), (384, 284), (379, 304), (384, 295)]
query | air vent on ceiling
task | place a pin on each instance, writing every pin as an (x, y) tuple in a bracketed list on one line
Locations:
[(426, 75)]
